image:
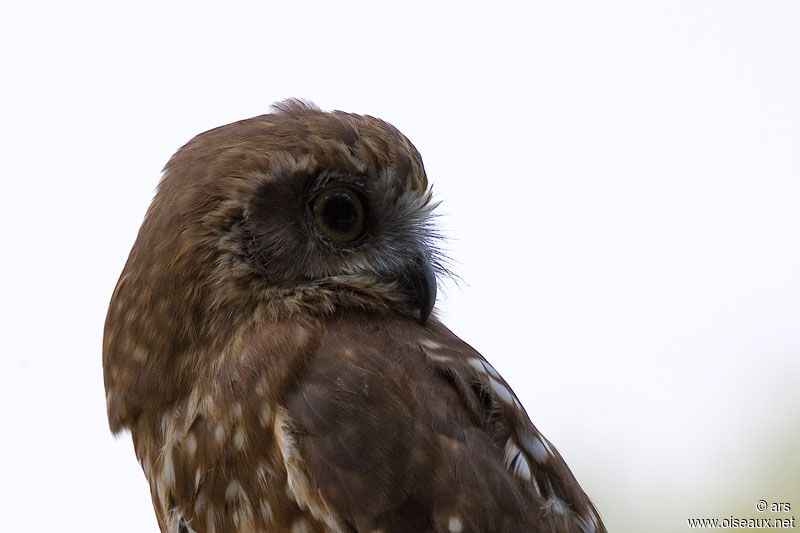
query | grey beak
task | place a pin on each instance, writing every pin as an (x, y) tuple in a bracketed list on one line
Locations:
[(419, 284)]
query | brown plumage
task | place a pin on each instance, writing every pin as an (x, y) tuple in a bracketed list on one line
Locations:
[(270, 347)]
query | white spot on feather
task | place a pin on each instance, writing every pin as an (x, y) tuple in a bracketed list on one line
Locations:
[(438, 358), (454, 525), (301, 526), (301, 336), (191, 445), (477, 364), (431, 347), (484, 366), (265, 415), (176, 517), (430, 344), (238, 439), (165, 419), (219, 433), (501, 391), (536, 486), (109, 399), (208, 404), (298, 486), (491, 370), (165, 479), (516, 461), (536, 447), (589, 523), (234, 491), (262, 387), (242, 510), (140, 354), (262, 471), (555, 505)]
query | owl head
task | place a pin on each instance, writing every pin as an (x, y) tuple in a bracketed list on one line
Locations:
[(295, 212)]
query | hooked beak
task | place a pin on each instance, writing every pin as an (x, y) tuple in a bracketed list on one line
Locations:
[(418, 283)]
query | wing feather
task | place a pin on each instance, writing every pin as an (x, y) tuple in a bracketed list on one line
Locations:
[(404, 427)]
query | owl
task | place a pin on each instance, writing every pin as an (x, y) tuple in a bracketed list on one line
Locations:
[(271, 346)]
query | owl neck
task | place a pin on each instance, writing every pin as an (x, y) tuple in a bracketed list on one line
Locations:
[(158, 339)]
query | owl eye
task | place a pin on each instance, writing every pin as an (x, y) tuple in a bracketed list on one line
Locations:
[(339, 213)]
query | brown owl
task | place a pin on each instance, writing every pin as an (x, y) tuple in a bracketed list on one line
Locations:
[(271, 348)]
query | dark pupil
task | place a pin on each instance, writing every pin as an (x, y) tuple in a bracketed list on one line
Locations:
[(339, 214)]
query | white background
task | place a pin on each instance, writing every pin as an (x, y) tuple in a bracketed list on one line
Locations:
[(621, 183)]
